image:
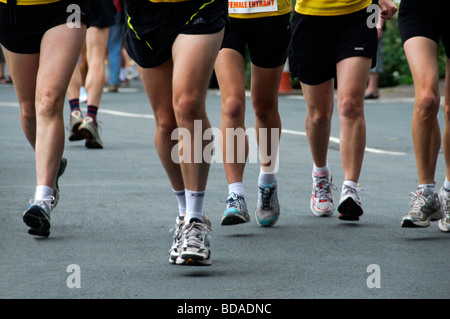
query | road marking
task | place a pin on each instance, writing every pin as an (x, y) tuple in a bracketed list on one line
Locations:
[(283, 131)]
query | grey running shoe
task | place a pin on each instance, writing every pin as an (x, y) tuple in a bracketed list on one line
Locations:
[(444, 222), (89, 129), (236, 211), (61, 169), (350, 204), (195, 244), (76, 118), (424, 208), (37, 217), (321, 198), (267, 208)]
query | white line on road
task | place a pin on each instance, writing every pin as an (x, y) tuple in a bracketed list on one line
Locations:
[(284, 131)]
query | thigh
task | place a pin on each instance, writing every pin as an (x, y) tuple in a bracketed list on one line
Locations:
[(60, 49), (230, 73), (422, 56), (193, 78), (23, 69)]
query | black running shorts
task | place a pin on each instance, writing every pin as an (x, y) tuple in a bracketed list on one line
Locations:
[(427, 19), (267, 39), (319, 42), (102, 13), (33, 21), (153, 27)]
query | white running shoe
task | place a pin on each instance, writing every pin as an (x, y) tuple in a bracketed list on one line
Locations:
[(195, 244), (424, 208), (37, 216), (321, 197), (444, 222), (350, 204)]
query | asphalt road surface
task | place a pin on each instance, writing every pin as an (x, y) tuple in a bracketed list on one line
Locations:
[(110, 232)]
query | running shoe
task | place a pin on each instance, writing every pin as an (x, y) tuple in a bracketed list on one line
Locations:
[(350, 204), (444, 222), (195, 244), (321, 198), (37, 216), (174, 251), (61, 169), (424, 208), (236, 211), (89, 129), (76, 118), (267, 208)]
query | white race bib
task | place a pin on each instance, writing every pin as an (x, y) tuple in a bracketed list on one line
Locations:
[(252, 6)]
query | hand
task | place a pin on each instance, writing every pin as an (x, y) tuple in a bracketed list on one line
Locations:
[(388, 8)]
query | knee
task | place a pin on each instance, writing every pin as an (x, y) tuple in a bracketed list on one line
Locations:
[(319, 118), (350, 108), (48, 104), (265, 110), (233, 108), (187, 108), (27, 112), (166, 125), (427, 104)]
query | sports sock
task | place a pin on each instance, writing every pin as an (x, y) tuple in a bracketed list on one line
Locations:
[(351, 184), (74, 105), (447, 187), (181, 198), (42, 192), (194, 205), (321, 170), (429, 187), (92, 112), (266, 178), (237, 188)]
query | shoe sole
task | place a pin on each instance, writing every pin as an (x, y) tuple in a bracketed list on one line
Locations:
[(76, 135), (231, 217), (349, 210), (193, 260), (37, 221), (409, 223), (442, 227), (317, 213), (90, 142)]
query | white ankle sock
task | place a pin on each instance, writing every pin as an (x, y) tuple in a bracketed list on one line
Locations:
[(267, 178), (42, 192), (321, 170), (237, 188), (194, 205), (181, 198)]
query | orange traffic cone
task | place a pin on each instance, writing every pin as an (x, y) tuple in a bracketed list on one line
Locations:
[(285, 84)]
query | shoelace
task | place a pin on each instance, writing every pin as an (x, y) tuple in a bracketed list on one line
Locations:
[(45, 203), (322, 185), (195, 233), (353, 190), (233, 201), (417, 202), (266, 195)]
